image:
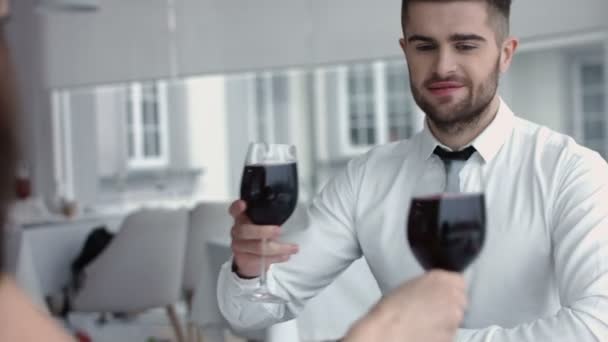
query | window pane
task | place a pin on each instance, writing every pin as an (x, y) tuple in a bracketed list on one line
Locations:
[(594, 130), (399, 101), (261, 98), (354, 136), (371, 111), (130, 144), (150, 114), (597, 145), (151, 144), (371, 136), (593, 103), (361, 104), (592, 74), (149, 92), (280, 89)]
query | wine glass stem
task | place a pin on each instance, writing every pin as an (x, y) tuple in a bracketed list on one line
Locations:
[(263, 266)]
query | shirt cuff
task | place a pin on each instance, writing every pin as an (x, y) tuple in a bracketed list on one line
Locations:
[(242, 283)]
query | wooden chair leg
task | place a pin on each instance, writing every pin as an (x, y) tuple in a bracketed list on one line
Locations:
[(175, 323), (193, 332), (199, 334)]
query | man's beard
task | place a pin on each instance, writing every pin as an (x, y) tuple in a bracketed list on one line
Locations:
[(465, 113)]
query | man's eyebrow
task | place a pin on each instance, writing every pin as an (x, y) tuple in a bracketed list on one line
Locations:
[(459, 37), (456, 37), (417, 37)]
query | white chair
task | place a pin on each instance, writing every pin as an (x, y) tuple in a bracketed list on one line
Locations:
[(208, 221), (208, 249), (140, 269)]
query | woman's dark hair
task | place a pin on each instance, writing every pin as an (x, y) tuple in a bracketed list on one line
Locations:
[(8, 140)]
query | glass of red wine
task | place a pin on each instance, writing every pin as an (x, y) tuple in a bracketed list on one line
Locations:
[(269, 186), (447, 230)]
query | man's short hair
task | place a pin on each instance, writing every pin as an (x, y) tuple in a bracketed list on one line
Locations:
[(499, 13)]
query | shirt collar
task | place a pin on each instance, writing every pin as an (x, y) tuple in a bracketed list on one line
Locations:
[(488, 143)]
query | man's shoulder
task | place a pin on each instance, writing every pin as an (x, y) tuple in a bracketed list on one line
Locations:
[(397, 150), (386, 157), (548, 143)]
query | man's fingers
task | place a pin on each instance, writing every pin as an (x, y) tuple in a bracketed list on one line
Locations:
[(253, 232), (238, 212), (254, 259), (449, 279), (269, 249), (237, 207)]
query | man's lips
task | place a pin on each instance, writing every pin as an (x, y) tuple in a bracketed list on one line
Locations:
[(444, 88)]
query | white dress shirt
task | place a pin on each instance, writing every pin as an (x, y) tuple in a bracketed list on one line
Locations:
[(542, 274)]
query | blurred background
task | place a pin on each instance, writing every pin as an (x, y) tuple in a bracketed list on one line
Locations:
[(129, 98), (131, 103)]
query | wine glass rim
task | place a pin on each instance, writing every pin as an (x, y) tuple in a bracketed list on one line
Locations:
[(271, 144), (271, 163), (447, 195)]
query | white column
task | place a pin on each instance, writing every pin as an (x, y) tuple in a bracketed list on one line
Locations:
[(418, 120), (606, 74)]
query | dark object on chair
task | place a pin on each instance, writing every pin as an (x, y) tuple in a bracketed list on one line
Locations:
[(97, 240), (95, 243)]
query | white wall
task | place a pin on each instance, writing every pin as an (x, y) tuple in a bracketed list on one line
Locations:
[(110, 112), (129, 39), (84, 147), (207, 132), (538, 88), (125, 40), (533, 20)]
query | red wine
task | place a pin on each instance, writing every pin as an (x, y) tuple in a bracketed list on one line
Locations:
[(271, 192), (447, 232)]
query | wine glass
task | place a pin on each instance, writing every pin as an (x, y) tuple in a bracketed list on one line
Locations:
[(269, 186), (447, 230)]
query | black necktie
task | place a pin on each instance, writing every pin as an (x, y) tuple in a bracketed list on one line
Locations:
[(462, 155), (453, 161)]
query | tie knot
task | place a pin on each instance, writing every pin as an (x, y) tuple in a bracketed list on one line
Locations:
[(456, 155)]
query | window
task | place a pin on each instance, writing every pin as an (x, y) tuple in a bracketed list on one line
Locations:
[(399, 103), (590, 104), (271, 104), (361, 105), (146, 129), (377, 106), (264, 114)]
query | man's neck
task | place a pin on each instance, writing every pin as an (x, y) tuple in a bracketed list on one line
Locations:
[(460, 138)]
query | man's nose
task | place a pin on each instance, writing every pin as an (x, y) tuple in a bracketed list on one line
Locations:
[(445, 63)]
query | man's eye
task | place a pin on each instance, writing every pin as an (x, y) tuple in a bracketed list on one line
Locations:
[(465, 47), (425, 47)]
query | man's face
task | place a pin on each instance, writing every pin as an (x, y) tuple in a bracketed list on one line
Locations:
[(453, 59)]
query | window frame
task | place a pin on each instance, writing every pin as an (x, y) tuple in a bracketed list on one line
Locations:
[(135, 107), (579, 116), (381, 96)]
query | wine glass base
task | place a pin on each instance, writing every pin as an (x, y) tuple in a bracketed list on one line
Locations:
[(258, 296)]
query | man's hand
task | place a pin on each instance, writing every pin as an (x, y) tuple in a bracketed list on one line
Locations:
[(429, 308), (248, 247)]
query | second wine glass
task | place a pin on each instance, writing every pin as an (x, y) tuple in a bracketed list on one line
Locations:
[(269, 186), (447, 231)]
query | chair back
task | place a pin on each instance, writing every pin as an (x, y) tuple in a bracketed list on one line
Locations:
[(141, 268), (208, 221)]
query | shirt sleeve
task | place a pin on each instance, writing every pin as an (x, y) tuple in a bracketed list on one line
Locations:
[(328, 245), (579, 236)]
